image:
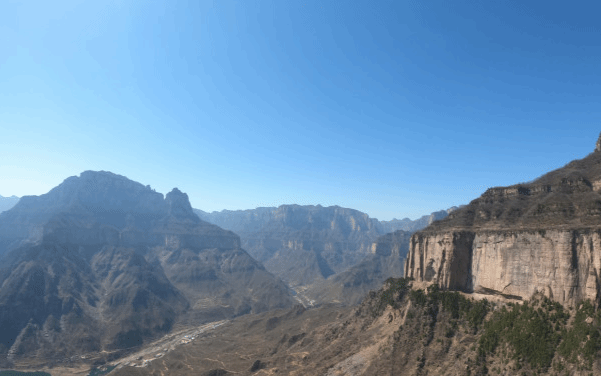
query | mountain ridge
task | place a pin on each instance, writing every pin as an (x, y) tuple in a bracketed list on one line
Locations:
[(306, 244), (8, 202), (104, 263)]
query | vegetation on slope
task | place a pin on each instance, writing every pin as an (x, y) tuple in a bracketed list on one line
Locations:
[(539, 336)]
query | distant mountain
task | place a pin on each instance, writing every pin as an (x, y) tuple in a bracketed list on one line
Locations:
[(415, 225), (302, 244), (307, 245), (104, 263), (350, 286), (7, 202)]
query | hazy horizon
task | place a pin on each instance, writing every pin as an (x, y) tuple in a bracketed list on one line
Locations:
[(396, 109)]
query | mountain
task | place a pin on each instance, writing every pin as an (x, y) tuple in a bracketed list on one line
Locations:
[(415, 225), (307, 245), (302, 244), (542, 236), (102, 263), (526, 258), (397, 330), (350, 286), (7, 202)]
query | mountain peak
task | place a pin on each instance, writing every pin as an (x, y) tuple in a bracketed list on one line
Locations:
[(598, 146), (179, 205)]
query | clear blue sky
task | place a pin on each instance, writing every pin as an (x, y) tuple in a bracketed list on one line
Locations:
[(395, 108)]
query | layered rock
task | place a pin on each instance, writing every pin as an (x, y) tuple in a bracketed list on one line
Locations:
[(104, 263), (542, 236), (302, 244), (307, 245), (350, 286)]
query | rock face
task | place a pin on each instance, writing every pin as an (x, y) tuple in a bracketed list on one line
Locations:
[(542, 236), (104, 263), (350, 286), (307, 245), (303, 244)]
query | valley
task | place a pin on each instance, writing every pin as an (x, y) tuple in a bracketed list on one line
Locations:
[(104, 276)]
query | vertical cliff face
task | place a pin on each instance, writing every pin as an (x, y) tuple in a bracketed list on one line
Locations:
[(444, 258), (565, 265), (544, 236)]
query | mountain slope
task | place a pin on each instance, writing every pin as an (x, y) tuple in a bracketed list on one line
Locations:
[(307, 245), (398, 330), (103, 263), (7, 202), (302, 244), (351, 285)]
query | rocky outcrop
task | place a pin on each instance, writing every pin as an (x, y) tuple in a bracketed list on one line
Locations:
[(563, 265), (302, 244), (305, 245), (116, 264), (543, 236), (350, 286)]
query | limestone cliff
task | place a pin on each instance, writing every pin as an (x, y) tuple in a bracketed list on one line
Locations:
[(541, 236)]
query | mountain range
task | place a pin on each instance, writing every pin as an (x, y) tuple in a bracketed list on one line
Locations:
[(310, 246), (101, 264), (7, 202), (104, 264), (507, 285)]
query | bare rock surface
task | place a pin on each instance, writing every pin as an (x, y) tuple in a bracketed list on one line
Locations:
[(102, 264), (543, 236), (386, 260), (326, 254)]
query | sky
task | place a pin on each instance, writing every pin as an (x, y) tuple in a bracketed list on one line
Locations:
[(395, 108)]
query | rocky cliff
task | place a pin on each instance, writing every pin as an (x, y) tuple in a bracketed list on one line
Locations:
[(307, 245), (350, 286), (102, 263), (540, 236), (302, 244)]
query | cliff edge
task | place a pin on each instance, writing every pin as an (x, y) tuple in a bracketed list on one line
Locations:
[(542, 236)]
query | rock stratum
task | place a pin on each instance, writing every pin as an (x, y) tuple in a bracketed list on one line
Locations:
[(350, 286), (542, 236), (101, 264), (320, 247)]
